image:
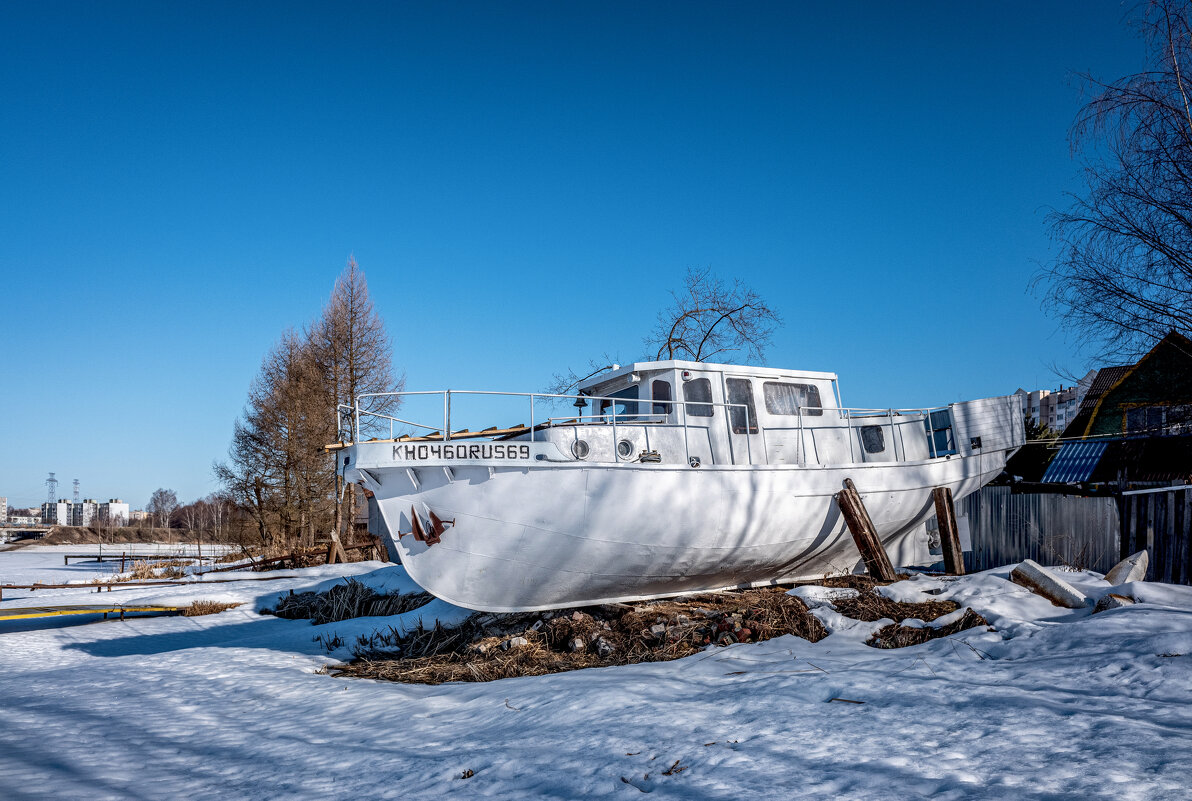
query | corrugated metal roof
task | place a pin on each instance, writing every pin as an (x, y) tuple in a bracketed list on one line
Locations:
[(1074, 462)]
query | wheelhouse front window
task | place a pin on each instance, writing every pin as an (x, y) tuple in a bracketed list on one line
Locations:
[(783, 397), (661, 390), (743, 418), (622, 403), (698, 394)]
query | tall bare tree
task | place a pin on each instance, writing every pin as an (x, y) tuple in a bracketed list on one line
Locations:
[(355, 357), (1123, 276), (276, 469), (709, 319)]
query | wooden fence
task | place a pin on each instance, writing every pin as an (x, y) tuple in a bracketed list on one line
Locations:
[(1005, 528), (1160, 523)]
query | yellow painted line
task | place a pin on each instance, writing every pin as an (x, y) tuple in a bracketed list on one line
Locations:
[(54, 611)]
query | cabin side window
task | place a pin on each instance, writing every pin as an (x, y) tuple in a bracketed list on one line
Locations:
[(784, 398), (698, 394), (661, 390), (740, 391)]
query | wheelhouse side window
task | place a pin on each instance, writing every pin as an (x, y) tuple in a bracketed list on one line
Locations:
[(698, 394), (741, 391), (661, 390), (625, 404), (785, 398)]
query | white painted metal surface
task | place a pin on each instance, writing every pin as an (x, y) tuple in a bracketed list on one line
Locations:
[(741, 492)]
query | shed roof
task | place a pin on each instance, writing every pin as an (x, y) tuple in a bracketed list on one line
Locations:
[(1075, 462)]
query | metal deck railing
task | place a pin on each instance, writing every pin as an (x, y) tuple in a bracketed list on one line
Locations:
[(850, 419)]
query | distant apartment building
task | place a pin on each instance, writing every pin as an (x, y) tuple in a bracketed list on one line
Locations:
[(59, 513), (114, 511), (83, 512), (3, 509), (1055, 409), (138, 515)]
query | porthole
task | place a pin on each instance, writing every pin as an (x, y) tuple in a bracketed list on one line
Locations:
[(580, 449), (624, 449)]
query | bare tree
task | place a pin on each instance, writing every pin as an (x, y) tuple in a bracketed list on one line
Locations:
[(276, 468), (161, 506), (1123, 277), (355, 357), (277, 471), (711, 319)]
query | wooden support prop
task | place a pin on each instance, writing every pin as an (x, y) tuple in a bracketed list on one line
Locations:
[(877, 562), (945, 513), (335, 551)]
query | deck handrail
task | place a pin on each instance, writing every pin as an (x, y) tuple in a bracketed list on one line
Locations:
[(851, 416)]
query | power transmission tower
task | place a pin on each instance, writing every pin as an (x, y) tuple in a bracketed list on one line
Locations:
[(52, 486), (76, 490)]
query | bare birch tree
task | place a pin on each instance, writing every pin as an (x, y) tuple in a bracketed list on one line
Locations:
[(1123, 277), (162, 504), (710, 319)]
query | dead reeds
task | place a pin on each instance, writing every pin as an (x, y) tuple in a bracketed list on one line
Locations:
[(488, 647), (344, 601), (198, 608), (144, 570)]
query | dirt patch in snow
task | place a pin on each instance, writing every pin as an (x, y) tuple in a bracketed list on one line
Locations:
[(871, 605), (895, 636)]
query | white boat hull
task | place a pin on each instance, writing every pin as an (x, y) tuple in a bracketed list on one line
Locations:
[(540, 537)]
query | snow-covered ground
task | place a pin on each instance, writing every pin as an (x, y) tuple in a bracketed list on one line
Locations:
[(1053, 704)]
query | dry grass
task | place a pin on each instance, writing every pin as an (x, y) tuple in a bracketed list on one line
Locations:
[(616, 634), (488, 647), (343, 601), (143, 570), (870, 606), (198, 608)]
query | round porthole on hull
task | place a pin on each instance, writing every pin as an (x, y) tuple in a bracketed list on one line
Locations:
[(624, 449), (580, 449)]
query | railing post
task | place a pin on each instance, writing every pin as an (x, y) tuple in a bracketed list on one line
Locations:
[(800, 451), (446, 415), (613, 408), (930, 435), (686, 442), (531, 417)]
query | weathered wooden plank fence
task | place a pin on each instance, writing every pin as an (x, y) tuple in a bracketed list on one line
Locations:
[(1160, 522), (1005, 528)]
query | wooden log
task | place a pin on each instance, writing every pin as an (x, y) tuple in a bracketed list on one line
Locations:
[(945, 513), (1112, 601), (877, 562), (1043, 582)]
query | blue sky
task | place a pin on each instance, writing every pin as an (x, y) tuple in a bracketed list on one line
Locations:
[(523, 184)]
